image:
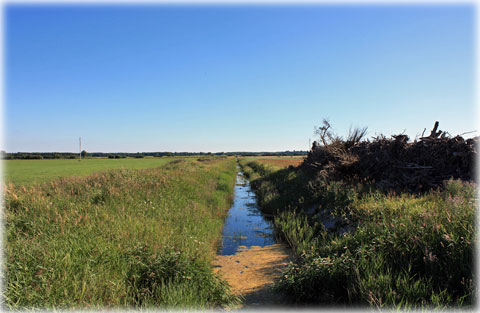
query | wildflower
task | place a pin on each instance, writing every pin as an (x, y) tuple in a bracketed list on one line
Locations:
[(432, 257)]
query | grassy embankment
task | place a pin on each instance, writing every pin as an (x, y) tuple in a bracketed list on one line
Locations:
[(123, 238), (391, 250), (38, 171)]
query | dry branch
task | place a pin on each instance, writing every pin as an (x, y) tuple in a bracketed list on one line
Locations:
[(394, 163)]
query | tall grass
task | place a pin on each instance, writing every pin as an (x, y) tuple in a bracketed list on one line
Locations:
[(124, 238), (385, 250)]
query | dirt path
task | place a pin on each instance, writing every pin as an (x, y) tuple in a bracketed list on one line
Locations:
[(252, 271)]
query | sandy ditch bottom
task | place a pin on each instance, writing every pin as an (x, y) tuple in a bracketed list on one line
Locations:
[(252, 271)]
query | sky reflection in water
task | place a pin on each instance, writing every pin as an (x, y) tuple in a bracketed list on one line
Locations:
[(245, 225)]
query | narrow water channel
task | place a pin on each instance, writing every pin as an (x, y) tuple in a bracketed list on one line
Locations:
[(245, 225)]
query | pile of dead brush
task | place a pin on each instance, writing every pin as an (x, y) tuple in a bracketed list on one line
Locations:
[(392, 163)]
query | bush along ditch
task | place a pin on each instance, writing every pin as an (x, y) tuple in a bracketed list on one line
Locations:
[(361, 244)]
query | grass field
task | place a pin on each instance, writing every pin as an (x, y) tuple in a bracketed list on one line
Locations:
[(276, 162), (381, 250), (122, 238), (32, 171)]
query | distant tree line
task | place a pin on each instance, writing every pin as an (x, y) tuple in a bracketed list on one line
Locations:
[(70, 155), (38, 155)]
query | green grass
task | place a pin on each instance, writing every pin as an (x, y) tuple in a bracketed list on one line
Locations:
[(274, 163), (401, 251), (32, 171), (123, 238), (277, 188)]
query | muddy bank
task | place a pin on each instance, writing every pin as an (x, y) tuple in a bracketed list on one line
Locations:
[(252, 271)]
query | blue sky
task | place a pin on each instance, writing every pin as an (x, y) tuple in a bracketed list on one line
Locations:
[(232, 78)]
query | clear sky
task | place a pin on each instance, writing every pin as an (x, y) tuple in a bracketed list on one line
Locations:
[(232, 78)]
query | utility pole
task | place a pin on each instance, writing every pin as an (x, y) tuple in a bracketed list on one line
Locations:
[(80, 151), (309, 144)]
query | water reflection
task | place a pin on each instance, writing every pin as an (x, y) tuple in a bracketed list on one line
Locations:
[(245, 225)]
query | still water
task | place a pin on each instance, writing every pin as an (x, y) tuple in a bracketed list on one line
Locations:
[(245, 224)]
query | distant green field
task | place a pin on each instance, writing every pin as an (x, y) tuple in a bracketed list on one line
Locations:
[(276, 162), (32, 171)]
